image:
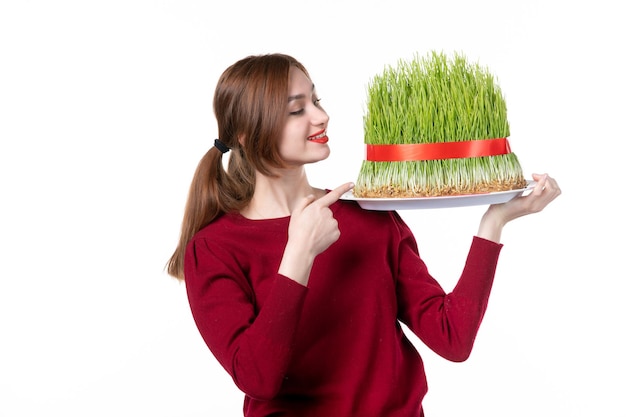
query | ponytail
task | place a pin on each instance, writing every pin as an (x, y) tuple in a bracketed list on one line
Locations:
[(212, 193)]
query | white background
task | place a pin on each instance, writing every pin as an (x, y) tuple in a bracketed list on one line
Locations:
[(105, 110)]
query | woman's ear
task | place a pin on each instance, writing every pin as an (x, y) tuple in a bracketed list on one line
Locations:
[(242, 140)]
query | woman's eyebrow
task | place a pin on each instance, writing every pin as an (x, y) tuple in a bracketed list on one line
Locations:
[(299, 96)]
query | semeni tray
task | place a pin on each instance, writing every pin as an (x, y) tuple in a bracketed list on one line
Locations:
[(386, 204)]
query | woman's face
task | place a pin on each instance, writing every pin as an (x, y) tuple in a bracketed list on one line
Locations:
[(304, 137)]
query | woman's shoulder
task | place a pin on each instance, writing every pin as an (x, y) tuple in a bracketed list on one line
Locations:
[(216, 227)]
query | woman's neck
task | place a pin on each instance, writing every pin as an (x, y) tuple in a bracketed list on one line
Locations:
[(275, 197)]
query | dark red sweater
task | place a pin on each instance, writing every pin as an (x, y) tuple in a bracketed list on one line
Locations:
[(334, 348)]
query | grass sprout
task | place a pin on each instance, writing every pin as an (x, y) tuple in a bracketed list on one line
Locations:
[(434, 99)]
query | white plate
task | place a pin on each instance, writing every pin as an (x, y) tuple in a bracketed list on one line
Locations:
[(386, 204)]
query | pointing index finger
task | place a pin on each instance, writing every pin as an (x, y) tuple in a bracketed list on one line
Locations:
[(335, 194)]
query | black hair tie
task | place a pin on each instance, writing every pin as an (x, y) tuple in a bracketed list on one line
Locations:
[(221, 146)]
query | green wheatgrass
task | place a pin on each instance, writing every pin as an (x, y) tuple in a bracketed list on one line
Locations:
[(436, 99)]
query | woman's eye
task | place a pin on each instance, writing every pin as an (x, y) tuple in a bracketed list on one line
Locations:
[(316, 103)]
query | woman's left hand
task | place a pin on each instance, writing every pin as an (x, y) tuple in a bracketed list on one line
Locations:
[(497, 215)]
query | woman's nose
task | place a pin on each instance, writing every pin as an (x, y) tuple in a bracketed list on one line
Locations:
[(320, 117)]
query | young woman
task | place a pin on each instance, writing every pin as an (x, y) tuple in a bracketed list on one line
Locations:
[(299, 294)]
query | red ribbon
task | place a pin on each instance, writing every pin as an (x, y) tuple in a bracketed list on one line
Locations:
[(440, 150)]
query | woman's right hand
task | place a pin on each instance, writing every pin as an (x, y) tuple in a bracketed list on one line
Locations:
[(312, 229)]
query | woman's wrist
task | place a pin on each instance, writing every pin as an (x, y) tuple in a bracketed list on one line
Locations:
[(491, 226), (296, 264)]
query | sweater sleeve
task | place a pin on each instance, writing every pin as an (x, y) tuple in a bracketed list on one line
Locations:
[(253, 346), (446, 322)]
